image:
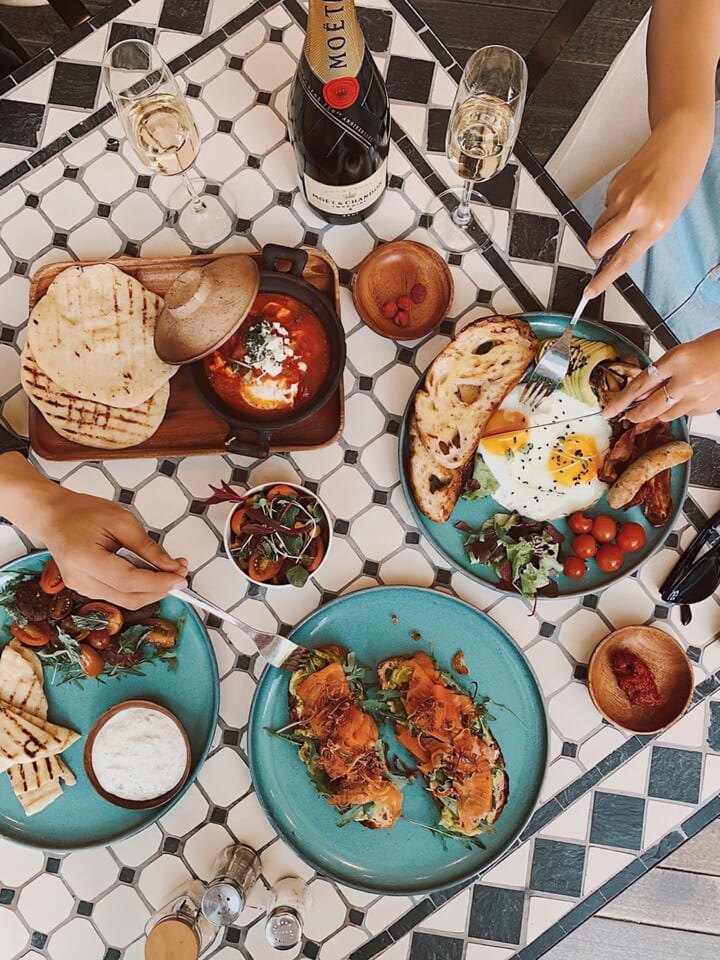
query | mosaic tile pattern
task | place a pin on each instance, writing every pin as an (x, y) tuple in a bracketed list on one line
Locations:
[(611, 805)]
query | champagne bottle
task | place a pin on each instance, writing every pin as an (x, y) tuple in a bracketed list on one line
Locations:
[(339, 117)]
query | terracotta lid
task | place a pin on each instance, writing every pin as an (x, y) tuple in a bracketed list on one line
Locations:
[(204, 307), (173, 938)]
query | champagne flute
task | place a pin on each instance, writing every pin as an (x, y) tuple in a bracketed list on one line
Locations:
[(484, 123), (158, 123)]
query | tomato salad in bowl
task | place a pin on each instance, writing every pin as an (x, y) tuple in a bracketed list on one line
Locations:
[(278, 534)]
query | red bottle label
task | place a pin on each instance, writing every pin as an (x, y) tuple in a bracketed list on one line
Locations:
[(341, 92)]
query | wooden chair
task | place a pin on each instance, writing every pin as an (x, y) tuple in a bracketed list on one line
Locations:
[(12, 53), (612, 126)]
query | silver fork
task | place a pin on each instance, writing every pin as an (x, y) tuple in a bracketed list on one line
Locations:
[(553, 366), (277, 650)]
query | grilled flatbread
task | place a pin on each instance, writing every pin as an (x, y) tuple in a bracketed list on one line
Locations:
[(85, 421), (36, 800), (24, 738), (467, 382), (435, 488), (93, 332), (27, 777), (19, 683)]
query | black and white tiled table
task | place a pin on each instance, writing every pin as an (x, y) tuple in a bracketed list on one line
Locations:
[(612, 805)]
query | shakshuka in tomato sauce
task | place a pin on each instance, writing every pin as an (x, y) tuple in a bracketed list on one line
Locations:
[(277, 361)]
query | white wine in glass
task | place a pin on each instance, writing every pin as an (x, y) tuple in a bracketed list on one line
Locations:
[(482, 130), (158, 122)]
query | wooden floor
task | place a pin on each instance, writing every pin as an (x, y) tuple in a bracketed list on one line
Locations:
[(674, 912)]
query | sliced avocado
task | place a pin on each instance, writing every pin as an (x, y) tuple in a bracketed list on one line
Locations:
[(585, 355)]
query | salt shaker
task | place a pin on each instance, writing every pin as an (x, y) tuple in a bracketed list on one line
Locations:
[(287, 907), (235, 872)]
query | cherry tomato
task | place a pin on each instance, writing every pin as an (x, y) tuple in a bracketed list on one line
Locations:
[(604, 528), (579, 523), (91, 661), (163, 633), (99, 639), (319, 547), (574, 568), (585, 546), (50, 579), (115, 619), (238, 519), (631, 537), (262, 568), (282, 490), (60, 606), (32, 634), (609, 558)]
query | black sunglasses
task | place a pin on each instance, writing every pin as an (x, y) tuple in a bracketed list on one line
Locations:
[(691, 579)]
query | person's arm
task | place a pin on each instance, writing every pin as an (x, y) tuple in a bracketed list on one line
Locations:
[(652, 189), (82, 533)]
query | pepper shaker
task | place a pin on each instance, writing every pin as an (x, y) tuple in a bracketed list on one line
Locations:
[(235, 872)]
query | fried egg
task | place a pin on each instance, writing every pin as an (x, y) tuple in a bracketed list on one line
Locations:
[(268, 393), (550, 471)]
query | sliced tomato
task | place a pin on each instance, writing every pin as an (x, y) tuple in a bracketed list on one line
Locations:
[(238, 519), (262, 568), (318, 548), (99, 639), (115, 619), (282, 490), (50, 579), (60, 606), (91, 661), (32, 634)]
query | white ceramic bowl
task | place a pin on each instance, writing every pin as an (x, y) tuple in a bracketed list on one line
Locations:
[(227, 533)]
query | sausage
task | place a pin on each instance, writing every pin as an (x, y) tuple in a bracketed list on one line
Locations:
[(647, 466)]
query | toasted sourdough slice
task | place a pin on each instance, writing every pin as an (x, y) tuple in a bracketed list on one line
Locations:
[(339, 741), (439, 723), (86, 421), (467, 382), (435, 488)]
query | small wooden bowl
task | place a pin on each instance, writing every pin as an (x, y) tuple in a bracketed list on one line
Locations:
[(669, 665), (389, 272), (120, 801)]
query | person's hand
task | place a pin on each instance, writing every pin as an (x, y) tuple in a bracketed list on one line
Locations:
[(691, 384), (648, 194), (83, 532)]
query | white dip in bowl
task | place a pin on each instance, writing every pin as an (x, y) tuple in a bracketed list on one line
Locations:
[(139, 754)]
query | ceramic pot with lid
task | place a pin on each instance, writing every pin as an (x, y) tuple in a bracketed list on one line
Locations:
[(206, 306)]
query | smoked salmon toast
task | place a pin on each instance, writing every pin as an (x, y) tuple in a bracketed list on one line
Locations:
[(445, 731), (339, 743)]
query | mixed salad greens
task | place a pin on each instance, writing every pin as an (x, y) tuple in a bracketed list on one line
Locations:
[(523, 554)]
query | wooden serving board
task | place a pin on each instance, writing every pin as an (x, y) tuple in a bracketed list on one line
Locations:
[(189, 428)]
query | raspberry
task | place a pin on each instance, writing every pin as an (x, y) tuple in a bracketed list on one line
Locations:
[(404, 302), (389, 309), (402, 318), (418, 293)]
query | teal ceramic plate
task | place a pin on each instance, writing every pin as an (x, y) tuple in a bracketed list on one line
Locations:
[(405, 859), (447, 540), (80, 817)]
